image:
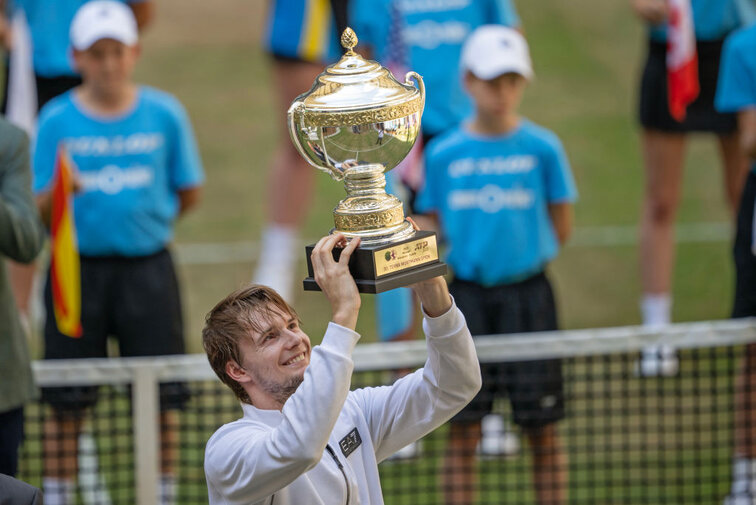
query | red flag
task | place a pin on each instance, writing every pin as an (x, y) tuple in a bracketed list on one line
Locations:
[(682, 60), (64, 264)]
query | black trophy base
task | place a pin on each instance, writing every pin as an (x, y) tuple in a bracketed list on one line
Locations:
[(385, 267)]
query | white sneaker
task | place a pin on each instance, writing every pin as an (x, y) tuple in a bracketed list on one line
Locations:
[(658, 361), (497, 438), (740, 499)]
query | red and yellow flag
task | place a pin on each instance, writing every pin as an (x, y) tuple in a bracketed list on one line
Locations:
[(682, 59), (64, 264)]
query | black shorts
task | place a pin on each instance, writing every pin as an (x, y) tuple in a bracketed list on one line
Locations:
[(701, 114), (340, 15), (11, 436), (535, 388), (137, 301), (47, 88), (744, 253)]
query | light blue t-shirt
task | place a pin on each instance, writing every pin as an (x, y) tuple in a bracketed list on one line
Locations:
[(714, 19), (49, 23), (130, 166), (491, 195), (431, 34), (302, 29), (736, 89)]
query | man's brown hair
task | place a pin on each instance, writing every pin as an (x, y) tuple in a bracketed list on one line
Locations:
[(234, 319)]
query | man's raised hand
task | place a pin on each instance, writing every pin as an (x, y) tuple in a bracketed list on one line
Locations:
[(335, 280)]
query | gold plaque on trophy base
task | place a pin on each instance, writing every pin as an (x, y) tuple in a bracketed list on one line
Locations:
[(380, 268)]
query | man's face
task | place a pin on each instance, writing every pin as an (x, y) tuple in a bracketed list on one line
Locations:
[(275, 359), (107, 65), (499, 96)]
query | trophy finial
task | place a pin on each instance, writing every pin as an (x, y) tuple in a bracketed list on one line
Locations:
[(349, 40)]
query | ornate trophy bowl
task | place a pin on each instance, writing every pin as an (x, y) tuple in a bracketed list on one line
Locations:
[(356, 123)]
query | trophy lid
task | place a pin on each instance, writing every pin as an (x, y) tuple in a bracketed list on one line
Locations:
[(358, 91)]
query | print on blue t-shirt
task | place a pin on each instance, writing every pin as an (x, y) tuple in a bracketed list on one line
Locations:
[(736, 89), (130, 168), (433, 34), (491, 195)]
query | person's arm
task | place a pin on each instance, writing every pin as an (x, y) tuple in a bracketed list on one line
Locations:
[(185, 163), (654, 12), (144, 13), (427, 221), (562, 216), (247, 463), (422, 401), (189, 198), (21, 232), (747, 127)]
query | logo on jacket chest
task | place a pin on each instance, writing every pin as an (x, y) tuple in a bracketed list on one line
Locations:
[(350, 442)]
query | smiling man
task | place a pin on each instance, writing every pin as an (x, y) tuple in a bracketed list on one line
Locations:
[(304, 437)]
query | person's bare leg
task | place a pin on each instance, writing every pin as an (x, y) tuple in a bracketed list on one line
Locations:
[(169, 444), (745, 406), (60, 448), (735, 169), (663, 156), (549, 465), (743, 487), (460, 478), (290, 185), (291, 178)]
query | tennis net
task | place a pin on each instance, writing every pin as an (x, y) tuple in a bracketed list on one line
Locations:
[(625, 439)]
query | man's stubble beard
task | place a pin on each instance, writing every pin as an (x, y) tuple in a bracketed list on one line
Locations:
[(280, 391)]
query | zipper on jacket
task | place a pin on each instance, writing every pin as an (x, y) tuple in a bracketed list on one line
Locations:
[(343, 472)]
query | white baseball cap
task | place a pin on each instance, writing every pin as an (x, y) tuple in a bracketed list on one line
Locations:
[(493, 50), (103, 19)]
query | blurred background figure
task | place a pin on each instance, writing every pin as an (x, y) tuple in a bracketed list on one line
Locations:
[(21, 238), (53, 73), (302, 37), (737, 94), (134, 157), (663, 139), (492, 182)]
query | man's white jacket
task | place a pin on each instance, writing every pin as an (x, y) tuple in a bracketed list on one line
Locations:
[(324, 446)]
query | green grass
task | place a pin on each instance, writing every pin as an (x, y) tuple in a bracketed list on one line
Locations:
[(587, 56)]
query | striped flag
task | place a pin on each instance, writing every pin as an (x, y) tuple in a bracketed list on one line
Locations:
[(64, 264), (682, 59)]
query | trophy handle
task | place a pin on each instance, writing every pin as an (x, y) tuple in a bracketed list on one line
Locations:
[(420, 84), (295, 112)]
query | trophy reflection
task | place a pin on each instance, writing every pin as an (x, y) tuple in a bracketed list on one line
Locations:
[(356, 123)]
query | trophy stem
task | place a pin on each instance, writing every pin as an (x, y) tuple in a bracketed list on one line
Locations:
[(364, 180), (368, 211)]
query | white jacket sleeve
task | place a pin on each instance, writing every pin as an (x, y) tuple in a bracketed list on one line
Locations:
[(417, 404), (246, 461)]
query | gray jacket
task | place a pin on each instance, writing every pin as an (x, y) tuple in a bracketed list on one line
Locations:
[(16, 492), (21, 238)]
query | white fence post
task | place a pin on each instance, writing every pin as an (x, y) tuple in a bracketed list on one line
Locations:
[(146, 406)]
